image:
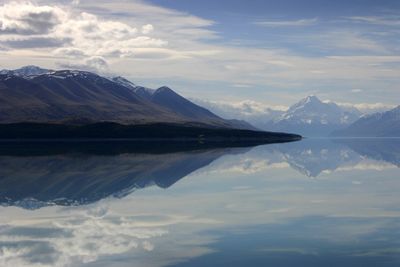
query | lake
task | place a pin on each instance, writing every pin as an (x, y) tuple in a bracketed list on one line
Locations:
[(316, 202)]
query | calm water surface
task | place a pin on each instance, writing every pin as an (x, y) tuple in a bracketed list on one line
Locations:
[(310, 203)]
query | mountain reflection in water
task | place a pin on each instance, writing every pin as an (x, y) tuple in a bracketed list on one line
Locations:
[(312, 203), (39, 174)]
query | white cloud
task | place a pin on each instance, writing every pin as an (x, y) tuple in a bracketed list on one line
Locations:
[(368, 166), (77, 34), (287, 23), (240, 109), (244, 164), (256, 113), (95, 64), (78, 236), (241, 85), (148, 28), (369, 107), (24, 18)]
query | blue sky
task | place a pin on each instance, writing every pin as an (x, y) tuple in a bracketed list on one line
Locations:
[(272, 52)]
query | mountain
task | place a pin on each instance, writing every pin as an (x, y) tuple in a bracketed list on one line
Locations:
[(167, 98), (33, 94), (312, 117), (384, 124), (27, 71)]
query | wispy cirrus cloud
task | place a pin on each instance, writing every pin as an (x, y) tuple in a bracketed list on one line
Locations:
[(369, 107), (287, 23), (377, 20)]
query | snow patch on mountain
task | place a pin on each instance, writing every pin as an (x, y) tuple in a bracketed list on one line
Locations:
[(26, 71)]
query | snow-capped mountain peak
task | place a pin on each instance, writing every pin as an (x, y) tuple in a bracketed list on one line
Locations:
[(311, 99), (311, 116), (27, 71)]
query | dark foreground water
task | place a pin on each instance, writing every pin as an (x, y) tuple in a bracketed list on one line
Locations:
[(311, 203)]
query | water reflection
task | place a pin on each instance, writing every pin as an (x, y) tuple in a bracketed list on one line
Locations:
[(318, 157), (34, 175), (234, 207)]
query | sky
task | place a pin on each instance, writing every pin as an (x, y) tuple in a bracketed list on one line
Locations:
[(270, 53)]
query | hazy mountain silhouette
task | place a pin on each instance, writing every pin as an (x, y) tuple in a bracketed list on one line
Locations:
[(313, 157), (383, 124), (312, 117), (381, 149)]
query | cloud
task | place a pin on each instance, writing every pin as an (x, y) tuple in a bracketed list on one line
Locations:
[(249, 166), (78, 239), (287, 23), (94, 64), (241, 85), (148, 28), (369, 107), (79, 236), (70, 52), (352, 41), (28, 19), (152, 43), (25, 25), (244, 107), (368, 166), (376, 20), (256, 113)]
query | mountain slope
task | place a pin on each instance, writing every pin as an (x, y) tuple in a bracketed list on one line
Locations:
[(33, 94), (312, 117), (385, 124), (168, 99), (70, 95)]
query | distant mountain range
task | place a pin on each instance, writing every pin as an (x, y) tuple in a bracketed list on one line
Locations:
[(312, 117), (309, 117), (38, 95), (384, 124)]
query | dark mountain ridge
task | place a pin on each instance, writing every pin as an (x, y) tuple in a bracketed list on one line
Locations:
[(65, 95), (38, 103)]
